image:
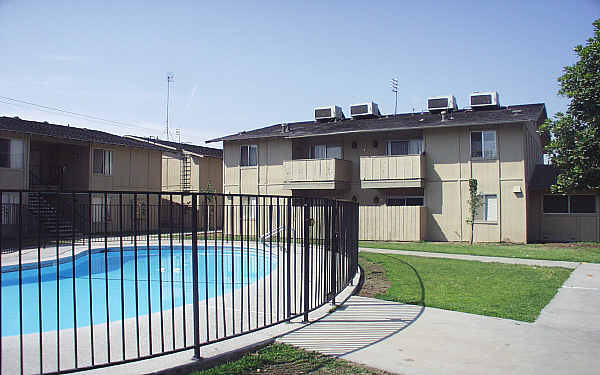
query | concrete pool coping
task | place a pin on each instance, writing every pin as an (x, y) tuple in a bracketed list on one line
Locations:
[(48, 255), (10, 345)]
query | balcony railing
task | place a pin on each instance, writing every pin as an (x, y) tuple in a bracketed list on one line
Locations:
[(318, 173), (398, 171)]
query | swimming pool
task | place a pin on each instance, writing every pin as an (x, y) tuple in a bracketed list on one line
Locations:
[(171, 268)]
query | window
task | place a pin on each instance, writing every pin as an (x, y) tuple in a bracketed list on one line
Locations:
[(405, 201), (249, 155), (326, 152), (99, 211), (556, 204), (10, 208), (249, 208), (574, 204), (11, 153), (406, 147), (488, 211), (483, 144), (582, 204), (103, 162)]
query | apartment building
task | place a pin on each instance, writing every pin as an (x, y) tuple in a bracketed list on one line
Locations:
[(188, 167), (409, 172), (39, 156)]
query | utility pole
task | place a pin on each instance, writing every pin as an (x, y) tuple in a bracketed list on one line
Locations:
[(394, 86)]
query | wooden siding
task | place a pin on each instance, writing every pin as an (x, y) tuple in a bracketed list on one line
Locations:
[(398, 167), (317, 171), (392, 223)]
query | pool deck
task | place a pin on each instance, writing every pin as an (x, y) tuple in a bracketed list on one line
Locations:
[(170, 324)]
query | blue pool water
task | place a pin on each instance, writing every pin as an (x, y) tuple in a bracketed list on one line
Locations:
[(217, 267)]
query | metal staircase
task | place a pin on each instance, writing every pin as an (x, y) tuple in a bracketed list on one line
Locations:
[(186, 173), (55, 226)]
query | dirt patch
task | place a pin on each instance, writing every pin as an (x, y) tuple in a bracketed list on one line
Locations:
[(375, 281)]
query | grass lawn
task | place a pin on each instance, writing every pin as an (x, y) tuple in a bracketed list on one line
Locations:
[(280, 359), (575, 252), (502, 290)]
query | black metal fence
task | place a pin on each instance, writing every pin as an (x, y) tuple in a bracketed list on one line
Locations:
[(92, 279)]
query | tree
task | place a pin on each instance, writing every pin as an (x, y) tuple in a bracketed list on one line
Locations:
[(475, 202), (574, 146)]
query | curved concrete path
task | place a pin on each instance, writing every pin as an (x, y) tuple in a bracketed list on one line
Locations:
[(407, 339)]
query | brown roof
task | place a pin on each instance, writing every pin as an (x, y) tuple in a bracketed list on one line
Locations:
[(15, 124), (465, 117), (199, 150)]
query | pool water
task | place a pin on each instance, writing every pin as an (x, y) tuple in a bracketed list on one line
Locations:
[(217, 266)]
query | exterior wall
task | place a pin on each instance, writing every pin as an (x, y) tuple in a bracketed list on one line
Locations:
[(12, 178), (210, 172), (571, 227), (205, 171), (266, 178), (562, 227), (448, 167), (133, 169), (385, 223)]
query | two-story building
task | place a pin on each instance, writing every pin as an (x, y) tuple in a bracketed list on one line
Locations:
[(44, 157), (409, 172), (189, 168)]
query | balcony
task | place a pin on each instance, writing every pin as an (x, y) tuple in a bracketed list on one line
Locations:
[(327, 174), (389, 172)]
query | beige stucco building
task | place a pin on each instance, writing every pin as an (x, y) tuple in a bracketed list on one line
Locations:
[(409, 172), (189, 168), (39, 156)]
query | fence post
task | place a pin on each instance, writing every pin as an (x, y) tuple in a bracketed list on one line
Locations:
[(288, 236), (307, 266), (195, 275), (334, 248)]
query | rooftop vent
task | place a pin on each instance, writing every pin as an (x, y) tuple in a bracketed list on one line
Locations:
[(332, 112), (369, 109), (484, 100), (437, 104)]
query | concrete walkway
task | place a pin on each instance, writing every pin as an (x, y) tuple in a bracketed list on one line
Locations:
[(478, 258), (408, 339)]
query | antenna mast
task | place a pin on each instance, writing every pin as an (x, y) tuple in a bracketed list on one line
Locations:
[(170, 79), (394, 86)]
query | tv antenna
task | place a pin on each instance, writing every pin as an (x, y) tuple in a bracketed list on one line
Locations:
[(394, 86), (170, 79)]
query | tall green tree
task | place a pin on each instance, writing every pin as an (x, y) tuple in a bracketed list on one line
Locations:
[(574, 136)]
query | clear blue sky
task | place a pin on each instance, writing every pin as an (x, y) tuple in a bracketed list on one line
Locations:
[(241, 65)]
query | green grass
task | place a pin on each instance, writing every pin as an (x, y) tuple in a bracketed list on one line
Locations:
[(494, 289), (575, 252), (285, 359)]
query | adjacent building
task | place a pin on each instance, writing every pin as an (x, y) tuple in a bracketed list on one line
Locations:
[(189, 168), (562, 217), (44, 157), (409, 172)]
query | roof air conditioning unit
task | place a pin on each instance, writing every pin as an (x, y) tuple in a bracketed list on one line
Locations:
[(369, 109), (441, 103), (331, 112), (484, 99)]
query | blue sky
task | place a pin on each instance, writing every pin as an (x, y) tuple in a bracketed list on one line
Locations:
[(243, 65)]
